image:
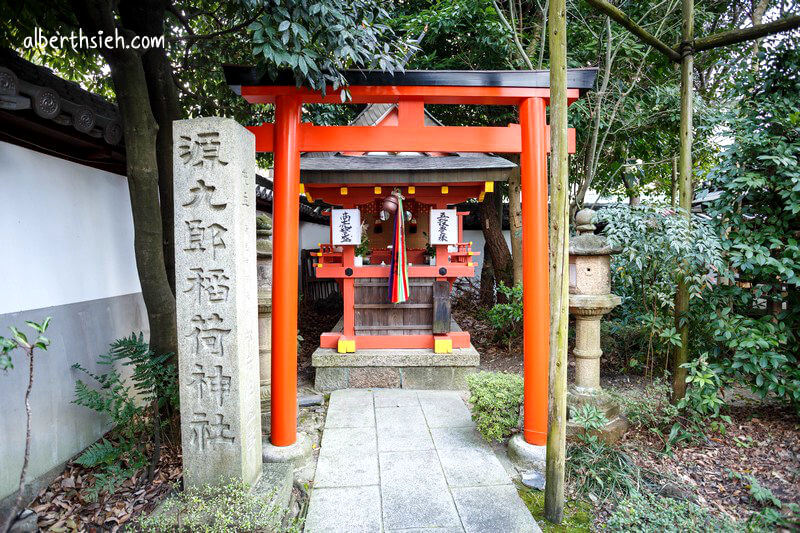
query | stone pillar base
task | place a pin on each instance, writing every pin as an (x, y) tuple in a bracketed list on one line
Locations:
[(617, 424), (527, 456), (299, 453)]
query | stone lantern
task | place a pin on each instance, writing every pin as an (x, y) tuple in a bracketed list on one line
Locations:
[(590, 298), (264, 277)]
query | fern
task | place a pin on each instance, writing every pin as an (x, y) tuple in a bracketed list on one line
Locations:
[(102, 452), (133, 409)]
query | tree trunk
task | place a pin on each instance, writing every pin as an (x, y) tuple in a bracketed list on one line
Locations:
[(495, 248), (559, 264), (487, 283), (140, 129), (515, 219), (681, 353), (147, 18), (166, 109)]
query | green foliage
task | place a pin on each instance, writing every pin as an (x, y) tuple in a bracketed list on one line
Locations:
[(316, 40), (506, 318), (593, 468), (134, 411), (19, 340), (231, 507), (697, 414), (496, 398), (758, 211), (659, 247), (645, 513), (649, 408), (774, 514), (363, 247)]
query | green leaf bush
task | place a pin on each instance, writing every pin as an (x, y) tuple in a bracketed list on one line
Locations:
[(659, 247), (506, 318), (496, 398), (758, 212)]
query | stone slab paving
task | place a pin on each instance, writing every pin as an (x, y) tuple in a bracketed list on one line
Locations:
[(398, 460)]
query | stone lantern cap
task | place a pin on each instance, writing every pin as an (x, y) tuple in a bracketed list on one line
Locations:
[(586, 242), (593, 304)]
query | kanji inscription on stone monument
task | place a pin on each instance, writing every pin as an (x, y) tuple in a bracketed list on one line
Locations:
[(217, 310)]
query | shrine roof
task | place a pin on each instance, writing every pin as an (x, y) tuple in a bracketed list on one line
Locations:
[(583, 79), (43, 112)]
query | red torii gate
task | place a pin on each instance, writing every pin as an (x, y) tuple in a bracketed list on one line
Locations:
[(411, 90)]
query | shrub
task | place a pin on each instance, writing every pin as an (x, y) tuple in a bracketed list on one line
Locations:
[(774, 514), (232, 507), (19, 342), (659, 248), (496, 398), (757, 178), (649, 408), (698, 413), (506, 318), (135, 412), (648, 512)]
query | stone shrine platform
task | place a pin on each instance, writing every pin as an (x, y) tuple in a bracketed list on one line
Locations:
[(403, 460), (394, 368)]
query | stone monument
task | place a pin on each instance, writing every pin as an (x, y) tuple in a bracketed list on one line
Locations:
[(590, 298), (216, 297)]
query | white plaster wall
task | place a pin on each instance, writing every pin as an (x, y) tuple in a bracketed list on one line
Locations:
[(67, 232), (312, 234)]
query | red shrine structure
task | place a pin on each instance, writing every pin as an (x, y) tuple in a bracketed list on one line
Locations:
[(436, 258)]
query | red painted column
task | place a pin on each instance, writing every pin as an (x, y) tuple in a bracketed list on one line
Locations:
[(535, 269), (285, 216)]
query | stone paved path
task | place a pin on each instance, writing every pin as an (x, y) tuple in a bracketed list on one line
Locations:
[(404, 460)]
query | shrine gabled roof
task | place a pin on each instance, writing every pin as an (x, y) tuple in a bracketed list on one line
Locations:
[(577, 78)]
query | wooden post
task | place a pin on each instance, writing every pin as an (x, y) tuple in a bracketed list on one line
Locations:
[(559, 263), (285, 213), (681, 353), (535, 283), (441, 307)]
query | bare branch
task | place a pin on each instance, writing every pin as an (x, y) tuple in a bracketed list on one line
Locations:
[(511, 29)]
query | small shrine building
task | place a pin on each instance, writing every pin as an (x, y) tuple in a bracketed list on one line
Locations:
[(395, 176)]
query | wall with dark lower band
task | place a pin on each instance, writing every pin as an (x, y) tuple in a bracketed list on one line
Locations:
[(67, 242)]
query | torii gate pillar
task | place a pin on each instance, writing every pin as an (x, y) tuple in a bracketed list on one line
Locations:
[(285, 215)]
